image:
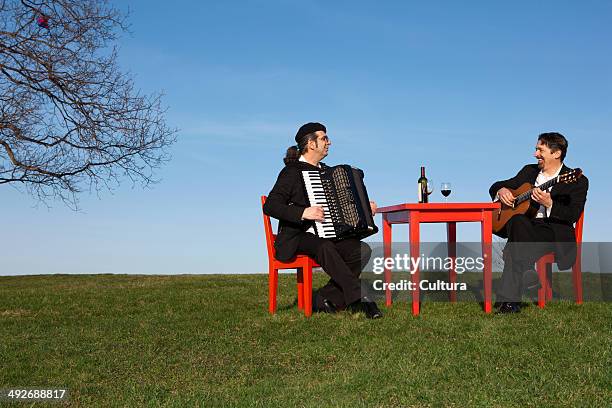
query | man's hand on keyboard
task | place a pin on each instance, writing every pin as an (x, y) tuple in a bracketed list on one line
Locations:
[(314, 213)]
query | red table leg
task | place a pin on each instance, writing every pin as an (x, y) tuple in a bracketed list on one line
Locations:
[(387, 243), (487, 240), (541, 269), (414, 254), (451, 235)]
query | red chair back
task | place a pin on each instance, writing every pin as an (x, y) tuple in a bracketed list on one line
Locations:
[(578, 228), (270, 236)]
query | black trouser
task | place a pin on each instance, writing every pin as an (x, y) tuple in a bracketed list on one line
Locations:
[(342, 261), (528, 240)]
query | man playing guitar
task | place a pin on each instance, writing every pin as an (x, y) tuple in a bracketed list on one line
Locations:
[(549, 230)]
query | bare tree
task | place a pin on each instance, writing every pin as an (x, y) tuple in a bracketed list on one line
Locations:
[(69, 117)]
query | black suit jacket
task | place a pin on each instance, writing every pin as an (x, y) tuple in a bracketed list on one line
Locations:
[(286, 202), (568, 204)]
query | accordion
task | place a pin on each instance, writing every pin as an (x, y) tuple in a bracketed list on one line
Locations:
[(344, 198)]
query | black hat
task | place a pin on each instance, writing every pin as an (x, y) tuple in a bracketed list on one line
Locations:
[(308, 128)]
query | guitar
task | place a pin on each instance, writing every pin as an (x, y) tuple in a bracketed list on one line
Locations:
[(523, 203)]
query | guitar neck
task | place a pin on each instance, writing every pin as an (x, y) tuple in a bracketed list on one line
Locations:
[(527, 194)]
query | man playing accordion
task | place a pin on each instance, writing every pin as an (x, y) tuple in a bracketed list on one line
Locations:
[(288, 202)]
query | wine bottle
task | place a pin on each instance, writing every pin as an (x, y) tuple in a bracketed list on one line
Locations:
[(422, 184)]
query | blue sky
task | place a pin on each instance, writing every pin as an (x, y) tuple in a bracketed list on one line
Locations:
[(463, 88)]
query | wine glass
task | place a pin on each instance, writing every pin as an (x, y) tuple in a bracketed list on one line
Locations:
[(445, 189), (430, 187)]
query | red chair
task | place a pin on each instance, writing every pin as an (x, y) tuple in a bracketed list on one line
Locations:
[(544, 268), (302, 263)]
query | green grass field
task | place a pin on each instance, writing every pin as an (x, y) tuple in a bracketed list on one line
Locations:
[(209, 341)]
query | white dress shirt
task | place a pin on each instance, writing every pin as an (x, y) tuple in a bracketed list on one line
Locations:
[(542, 178), (302, 159)]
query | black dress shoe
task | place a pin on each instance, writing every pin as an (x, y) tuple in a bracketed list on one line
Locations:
[(327, 307), (508, 307), (367, 307)]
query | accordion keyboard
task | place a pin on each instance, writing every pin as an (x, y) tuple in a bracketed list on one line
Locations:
[(316, 195)]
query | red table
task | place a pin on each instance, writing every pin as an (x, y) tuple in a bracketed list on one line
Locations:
[(450, 213)]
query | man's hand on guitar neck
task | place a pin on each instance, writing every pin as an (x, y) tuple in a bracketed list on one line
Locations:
[(506, 196), (541, 197)]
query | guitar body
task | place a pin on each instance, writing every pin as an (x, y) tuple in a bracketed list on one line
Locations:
[(502, 216)]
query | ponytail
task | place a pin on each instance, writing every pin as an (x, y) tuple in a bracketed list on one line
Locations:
[(293, 155)]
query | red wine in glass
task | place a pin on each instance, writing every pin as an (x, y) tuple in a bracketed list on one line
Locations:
[(445, 189)]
